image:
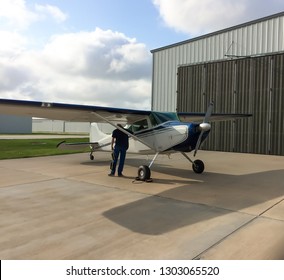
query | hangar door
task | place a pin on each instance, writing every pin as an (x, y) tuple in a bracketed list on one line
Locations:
[(250, 85)]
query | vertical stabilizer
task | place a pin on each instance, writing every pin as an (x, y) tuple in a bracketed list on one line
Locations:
[(96, 135)]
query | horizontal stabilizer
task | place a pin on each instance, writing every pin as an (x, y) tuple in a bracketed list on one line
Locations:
[(76, 146)]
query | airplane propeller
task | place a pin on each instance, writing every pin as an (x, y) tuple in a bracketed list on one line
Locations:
[(204, 126)]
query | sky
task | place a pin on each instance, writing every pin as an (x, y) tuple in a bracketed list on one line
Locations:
[(97, 52)]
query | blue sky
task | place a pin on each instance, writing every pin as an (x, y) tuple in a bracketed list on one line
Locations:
[(98, 51), (138, 19)]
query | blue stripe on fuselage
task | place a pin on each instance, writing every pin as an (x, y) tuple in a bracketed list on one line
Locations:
[(187, 145), (162, 127)]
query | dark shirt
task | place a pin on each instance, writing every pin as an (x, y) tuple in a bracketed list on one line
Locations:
[(121, 139)]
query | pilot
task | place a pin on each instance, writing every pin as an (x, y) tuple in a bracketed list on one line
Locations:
[(119, 145)]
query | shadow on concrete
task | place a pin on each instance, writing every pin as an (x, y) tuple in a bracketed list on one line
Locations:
[(217, 194), (155, 215)]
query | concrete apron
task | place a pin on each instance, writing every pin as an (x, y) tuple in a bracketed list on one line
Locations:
[(66, 207)]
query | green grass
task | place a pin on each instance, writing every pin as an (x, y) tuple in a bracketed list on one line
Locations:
[(23, 148)]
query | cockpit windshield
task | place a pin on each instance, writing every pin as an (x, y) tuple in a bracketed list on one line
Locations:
[(157, 118), (137, 126)]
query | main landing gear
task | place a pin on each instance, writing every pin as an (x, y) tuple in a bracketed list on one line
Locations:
[(144, 171)]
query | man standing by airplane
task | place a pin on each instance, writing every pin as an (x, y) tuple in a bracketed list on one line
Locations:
[(121, 141)]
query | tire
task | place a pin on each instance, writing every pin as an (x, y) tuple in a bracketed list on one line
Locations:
[(92, 157), (198, 166), (144, 173)]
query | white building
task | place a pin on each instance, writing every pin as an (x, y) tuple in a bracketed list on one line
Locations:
[(15, 124)]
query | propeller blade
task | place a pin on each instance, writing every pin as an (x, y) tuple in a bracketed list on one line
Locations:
[(198, 143), (208, 113), (204, 126)]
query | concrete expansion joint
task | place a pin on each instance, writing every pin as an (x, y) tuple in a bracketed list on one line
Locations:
[(29, 183), (269, 208), (201, 204), (199, 256)]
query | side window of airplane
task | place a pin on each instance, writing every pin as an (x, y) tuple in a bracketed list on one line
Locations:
[(153, 120), (140, 125)]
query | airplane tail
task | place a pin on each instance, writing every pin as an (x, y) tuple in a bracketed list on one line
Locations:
[(98, 140), (96, 135)]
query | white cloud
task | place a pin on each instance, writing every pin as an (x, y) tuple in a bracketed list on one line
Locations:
[(100, 68), (197, 17), (12, 43), (53, 11), (15, 14)]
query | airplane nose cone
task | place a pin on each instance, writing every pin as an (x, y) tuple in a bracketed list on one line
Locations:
[(205, 126)]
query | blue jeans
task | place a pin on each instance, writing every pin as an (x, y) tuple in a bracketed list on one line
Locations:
[(121, 153)]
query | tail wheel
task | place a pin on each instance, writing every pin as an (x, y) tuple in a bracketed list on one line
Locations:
[(144, 173), (198, 166)]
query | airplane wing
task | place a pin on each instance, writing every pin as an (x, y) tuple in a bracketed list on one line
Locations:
[(198, 117), (71, 112), (86, 113), (75, 113)]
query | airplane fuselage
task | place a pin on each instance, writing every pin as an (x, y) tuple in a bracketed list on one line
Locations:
[(173, 136), (168, 137)]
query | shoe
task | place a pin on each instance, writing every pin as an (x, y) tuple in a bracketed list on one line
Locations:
[(120, 175), (110, 174)]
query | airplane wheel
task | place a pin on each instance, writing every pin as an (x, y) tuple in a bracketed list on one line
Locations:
[(198, 166), (92, 157), (144, 173)]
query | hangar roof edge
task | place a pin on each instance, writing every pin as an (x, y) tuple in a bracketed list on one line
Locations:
[(219, 32)]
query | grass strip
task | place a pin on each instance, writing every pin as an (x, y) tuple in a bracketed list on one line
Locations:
[(24, 148)]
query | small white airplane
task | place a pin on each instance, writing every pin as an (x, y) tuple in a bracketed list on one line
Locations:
[(150, 132)]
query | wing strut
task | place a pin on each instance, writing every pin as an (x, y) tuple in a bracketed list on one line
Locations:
[(123, 130)]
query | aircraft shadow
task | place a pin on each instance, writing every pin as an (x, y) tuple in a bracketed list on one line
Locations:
[(155, 216), (216, 195)]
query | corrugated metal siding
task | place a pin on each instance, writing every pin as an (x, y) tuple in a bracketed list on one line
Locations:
[(277, 106), (254, 38), (250, 85)]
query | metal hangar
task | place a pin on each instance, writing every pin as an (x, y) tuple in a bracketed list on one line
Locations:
[(242, 69)]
